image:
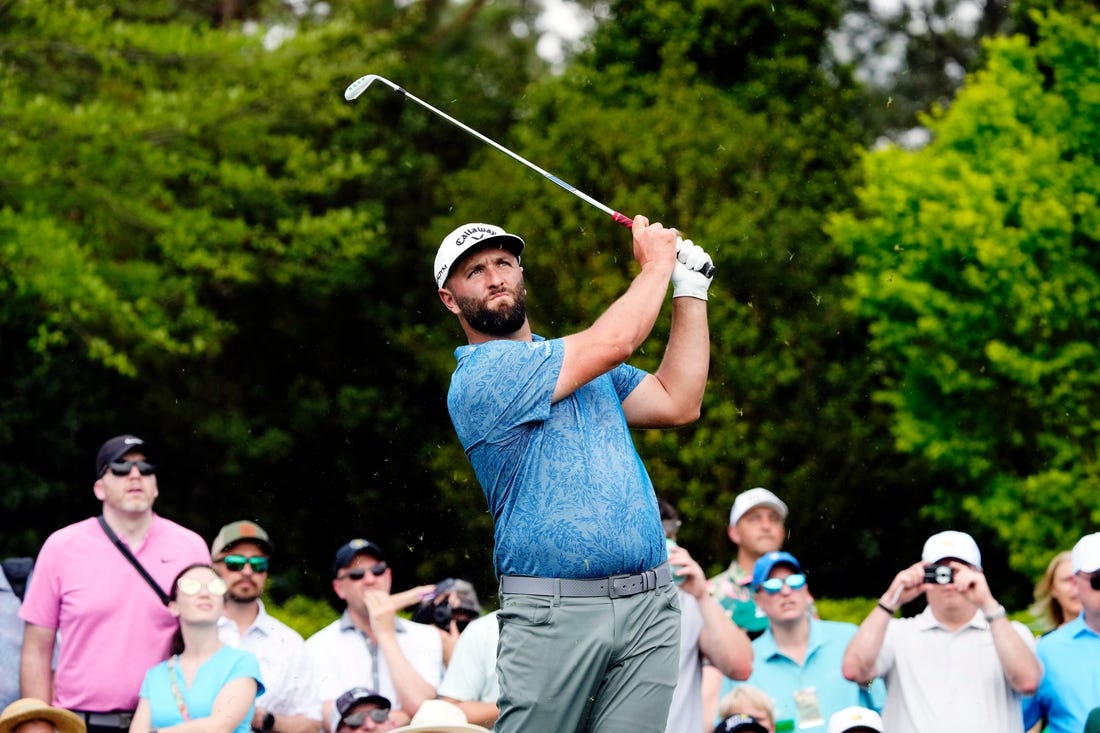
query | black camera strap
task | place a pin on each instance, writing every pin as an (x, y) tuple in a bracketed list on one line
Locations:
[(133, 560)]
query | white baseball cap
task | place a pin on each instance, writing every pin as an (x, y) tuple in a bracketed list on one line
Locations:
[(467, 237), (950, 543), (753, 498), (1085, 557), (855, 717)]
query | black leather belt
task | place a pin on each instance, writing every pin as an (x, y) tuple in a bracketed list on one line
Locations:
[(117, 719), (617, 586)]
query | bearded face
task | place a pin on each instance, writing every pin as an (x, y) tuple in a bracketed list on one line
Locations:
[(495, 318)]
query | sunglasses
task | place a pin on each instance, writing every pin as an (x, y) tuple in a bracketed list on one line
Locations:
[(360, 573), (1094, 580), (774, 585), (356, 720), (191, 587), (236, 563), (123, 468)]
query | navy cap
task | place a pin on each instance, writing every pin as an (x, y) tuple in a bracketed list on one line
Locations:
[(357, 695), (767, 562), (116, 448), (347, 553), (740, 723)]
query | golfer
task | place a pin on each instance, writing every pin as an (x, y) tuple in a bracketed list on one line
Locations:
[(589, 621)]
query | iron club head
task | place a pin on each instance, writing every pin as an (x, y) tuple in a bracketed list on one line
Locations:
[(360, 85)]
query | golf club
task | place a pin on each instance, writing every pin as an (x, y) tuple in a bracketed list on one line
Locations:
[(360, 85)]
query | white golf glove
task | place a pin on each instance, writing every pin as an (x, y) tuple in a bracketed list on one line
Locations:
[(687, 279)]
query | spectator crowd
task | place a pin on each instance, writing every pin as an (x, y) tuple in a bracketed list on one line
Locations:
[(130, 622)]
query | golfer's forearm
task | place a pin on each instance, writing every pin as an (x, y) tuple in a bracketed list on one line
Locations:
[(686, 362), (629, 320)]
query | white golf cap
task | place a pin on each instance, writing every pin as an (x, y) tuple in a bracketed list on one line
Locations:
[(467, 237), (753, 498), (958, 545), (854, 718), (1085, 557)]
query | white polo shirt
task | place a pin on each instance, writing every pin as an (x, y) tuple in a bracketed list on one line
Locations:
[(685, 715), (472, 672), (945, 681), (344, 657), (285, 667)]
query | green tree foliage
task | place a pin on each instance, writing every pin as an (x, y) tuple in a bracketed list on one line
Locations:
[(202, 242), (978, 271)]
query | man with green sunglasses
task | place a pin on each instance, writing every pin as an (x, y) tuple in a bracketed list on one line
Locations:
[(797, 660), (290, 703)]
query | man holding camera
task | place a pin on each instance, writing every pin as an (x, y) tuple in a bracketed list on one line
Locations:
[(450, 607), (958, 666)]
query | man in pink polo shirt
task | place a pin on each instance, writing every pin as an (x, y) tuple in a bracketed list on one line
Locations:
[(113, 624)]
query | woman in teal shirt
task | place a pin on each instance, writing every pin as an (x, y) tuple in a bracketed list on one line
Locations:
[(204, 685)]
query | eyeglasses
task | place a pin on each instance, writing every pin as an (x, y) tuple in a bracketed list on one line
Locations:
[(774, 585), (190, 586), (356, 720), (360, 573), (122, 468), (236, 563)]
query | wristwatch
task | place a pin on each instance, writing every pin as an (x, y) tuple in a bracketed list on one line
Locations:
[(268, 723), (1000, 612)]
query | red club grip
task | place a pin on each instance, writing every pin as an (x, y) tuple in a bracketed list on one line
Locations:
[(626, 221)]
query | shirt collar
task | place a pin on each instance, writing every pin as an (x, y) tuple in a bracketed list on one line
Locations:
[(1077, 627), (263, 623), (766, 647)]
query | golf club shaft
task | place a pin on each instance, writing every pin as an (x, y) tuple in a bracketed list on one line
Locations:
[(358, 86)]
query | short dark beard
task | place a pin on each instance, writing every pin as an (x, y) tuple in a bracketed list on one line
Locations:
[(238, 599), (495, 321)]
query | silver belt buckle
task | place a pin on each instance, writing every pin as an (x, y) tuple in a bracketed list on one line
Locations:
[(613, 587)]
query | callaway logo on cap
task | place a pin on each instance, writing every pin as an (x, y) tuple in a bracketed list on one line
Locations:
[(467, 238)]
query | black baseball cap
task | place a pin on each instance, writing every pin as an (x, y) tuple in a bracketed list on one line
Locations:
[(740, 723), (357, 695), (347, 553), (116, 448)]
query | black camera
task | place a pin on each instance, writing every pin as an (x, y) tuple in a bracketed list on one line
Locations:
[(438, 611), (939, 574)]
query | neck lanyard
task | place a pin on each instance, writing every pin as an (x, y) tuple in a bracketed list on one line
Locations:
[(173, 679), (372, 649)]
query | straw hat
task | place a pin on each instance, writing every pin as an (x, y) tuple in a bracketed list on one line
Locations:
[(438, 716), (31, 708)]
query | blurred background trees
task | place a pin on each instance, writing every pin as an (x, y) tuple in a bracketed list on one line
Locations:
[(203, 243)]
